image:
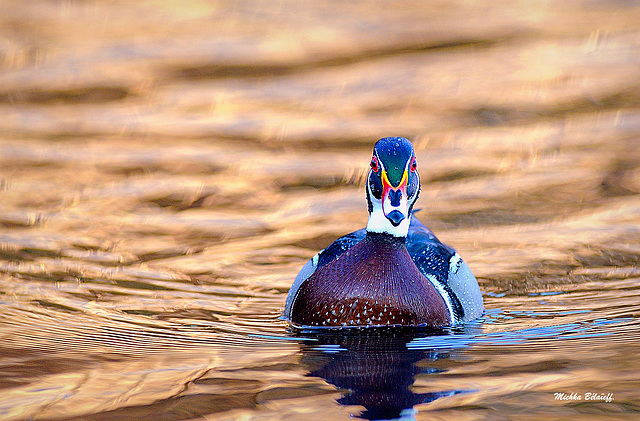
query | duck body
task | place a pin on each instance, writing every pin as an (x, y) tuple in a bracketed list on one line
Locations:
[(393, 273)]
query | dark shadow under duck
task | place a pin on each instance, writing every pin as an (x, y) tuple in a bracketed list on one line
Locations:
[(393, 272), (376, 368)]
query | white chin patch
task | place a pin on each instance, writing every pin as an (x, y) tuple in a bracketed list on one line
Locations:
[(403, 205), (379, 223)]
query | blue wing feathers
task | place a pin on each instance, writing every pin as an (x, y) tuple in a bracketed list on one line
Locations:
[(340, 246)]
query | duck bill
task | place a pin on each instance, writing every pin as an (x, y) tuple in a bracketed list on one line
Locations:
[(395, 205)]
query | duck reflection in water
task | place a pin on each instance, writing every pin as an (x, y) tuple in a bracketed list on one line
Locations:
[(375, 368)]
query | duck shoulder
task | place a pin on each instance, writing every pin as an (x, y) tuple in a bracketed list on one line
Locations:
[(444, 267), (322, 258)]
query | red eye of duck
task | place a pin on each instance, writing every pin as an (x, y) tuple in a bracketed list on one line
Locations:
[(414, 164), (374, 164)]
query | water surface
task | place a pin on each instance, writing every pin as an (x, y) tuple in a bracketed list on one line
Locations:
[(167, 168)]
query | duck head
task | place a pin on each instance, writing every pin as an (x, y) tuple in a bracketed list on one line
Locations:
[(393, 186)]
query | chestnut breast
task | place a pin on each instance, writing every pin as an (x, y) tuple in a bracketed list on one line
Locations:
[(374, 283)]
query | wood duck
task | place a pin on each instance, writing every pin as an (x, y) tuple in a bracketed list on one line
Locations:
[(394, 272)]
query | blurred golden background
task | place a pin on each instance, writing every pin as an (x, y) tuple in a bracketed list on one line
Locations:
[(167, 167)]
